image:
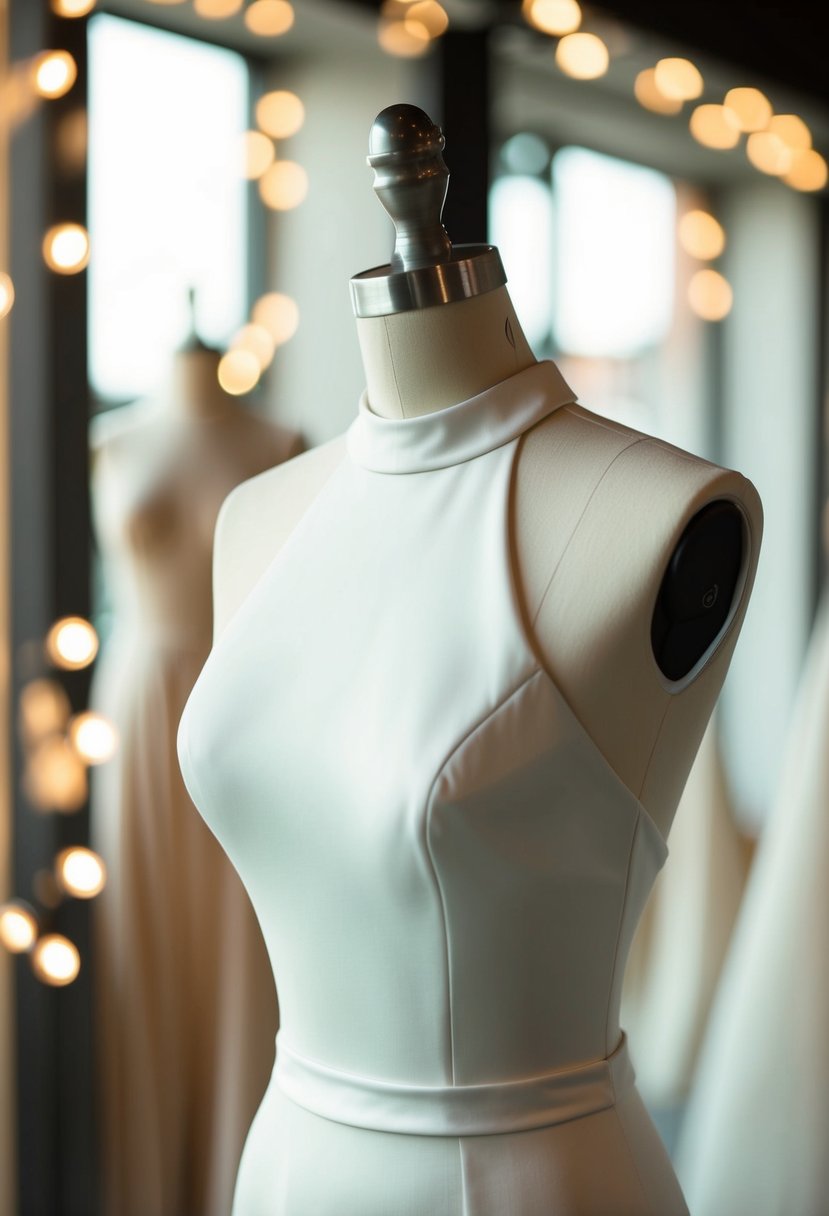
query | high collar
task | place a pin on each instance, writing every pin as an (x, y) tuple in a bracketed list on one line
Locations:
[(459, 432)]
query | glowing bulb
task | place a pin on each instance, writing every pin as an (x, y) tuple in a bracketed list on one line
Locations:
[(808, 171), (283, 186), (710, 295), (18, 926), (582, 56), (238, 372), (405, 39), (66, 248), (55, 776), (715, 127), (431, 15), (44, 709), (55, 73), (278, 314), (701, 235), (269, 18), (80, 872), (215, 10), (6, 294), (72, 8), (280, 114), (72, 643), (648, 94), (93, 737), (55, 960), (769, 154), (258, 340), (792, 130), (556, 17), (258, 152), (678, 79), (750, 107)]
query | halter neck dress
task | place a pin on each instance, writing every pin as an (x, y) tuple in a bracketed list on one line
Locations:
[(446, 870)]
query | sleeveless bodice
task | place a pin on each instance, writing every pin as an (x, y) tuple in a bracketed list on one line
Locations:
[(446, 869)]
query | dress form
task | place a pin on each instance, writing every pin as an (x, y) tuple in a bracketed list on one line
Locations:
[(185, 1006)]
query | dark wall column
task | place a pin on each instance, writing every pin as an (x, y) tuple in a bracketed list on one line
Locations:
[(462, 103)]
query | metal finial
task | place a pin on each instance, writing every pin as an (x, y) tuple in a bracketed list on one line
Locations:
[(410, 179)]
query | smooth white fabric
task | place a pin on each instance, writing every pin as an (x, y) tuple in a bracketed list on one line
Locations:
[(754, 1139), (447, 871)]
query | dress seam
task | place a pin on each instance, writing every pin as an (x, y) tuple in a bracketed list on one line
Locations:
[(622, 911)]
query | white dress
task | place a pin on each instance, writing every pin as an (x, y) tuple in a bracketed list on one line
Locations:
[(447, 871), (756, 1133)]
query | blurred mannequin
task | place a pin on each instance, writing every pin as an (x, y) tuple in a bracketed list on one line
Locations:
[(753, 1141), (186, 1007), (678, 951)]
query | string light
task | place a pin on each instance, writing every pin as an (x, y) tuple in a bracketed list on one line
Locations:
[(269, 18), (280, 114), (555, 17), (750, 107), (769, 154), (6, 294), (258, 152), (649, 95), (71, 643), (43, 708), (238, 372), (55, 73), (404, 39), (72, 8), (808, 171), (792, 130), (678, 79), (258, 340), (283, 186), (66, 248), (710, 295), (93, 737), (18, 926), (169, 3), (428, 13), (701, 236), (55, 960), (215, 10), (54, 778), (582, 56), (278, 314), (80, 872), (715, 127)]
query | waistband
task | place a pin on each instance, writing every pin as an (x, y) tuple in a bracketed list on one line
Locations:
[(453, 1110)]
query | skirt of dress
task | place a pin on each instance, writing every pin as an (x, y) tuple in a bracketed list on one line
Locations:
[(186, 1009)]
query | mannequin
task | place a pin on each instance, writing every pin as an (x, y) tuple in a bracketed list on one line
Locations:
[(435, 739), (185, 1004)]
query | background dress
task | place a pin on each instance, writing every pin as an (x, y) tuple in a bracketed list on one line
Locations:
[(186, 1008)]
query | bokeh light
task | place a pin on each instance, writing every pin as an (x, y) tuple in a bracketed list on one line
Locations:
[(55, 73), (6, 293), (750, 107), (238, 372), (678, 79), (278, 314), (710, 295), (428, 13), (526, 153), (258, 153), (71, 643), (269, 18), (72, 8), (769, 154), (649, 95), (404, 39), (280, 114), (80, 872), (18, 926), (43, 709), (54, 778), (555, 17), (55, 959), (217, 10), (66, 248), (808, 171), (582, 56), (715, 127), (701, 236), (283, 186), (93, 737), (792, 130), (258, 340)]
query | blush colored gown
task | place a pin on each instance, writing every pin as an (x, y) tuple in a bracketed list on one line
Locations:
[(447, 871)]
